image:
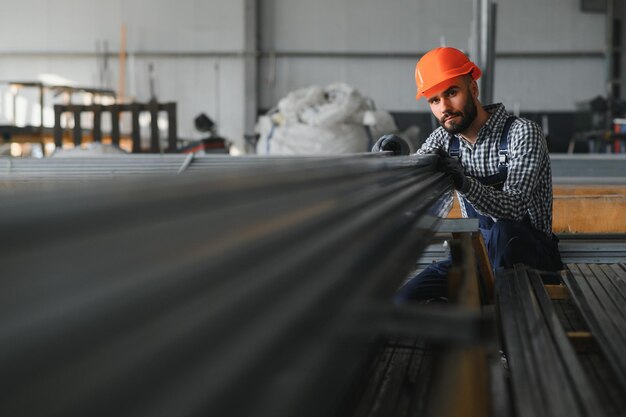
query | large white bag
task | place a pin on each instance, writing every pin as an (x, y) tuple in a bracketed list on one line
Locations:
[(334, 120)]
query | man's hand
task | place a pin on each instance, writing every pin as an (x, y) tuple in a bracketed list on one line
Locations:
[(452, 167), (392, 143)]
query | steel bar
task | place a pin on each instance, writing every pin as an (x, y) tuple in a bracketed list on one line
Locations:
[(61, 168), (598, 249), (242, 292), (584, 395), (602, 316), (547, 378), (583, 169)]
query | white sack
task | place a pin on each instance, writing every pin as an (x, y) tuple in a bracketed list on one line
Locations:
[(329, 121)]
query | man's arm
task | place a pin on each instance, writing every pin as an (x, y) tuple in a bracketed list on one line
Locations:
[(527, 151), (438, 139)]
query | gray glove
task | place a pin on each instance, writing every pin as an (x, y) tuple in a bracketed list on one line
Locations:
[(392, 143), (452, 167)]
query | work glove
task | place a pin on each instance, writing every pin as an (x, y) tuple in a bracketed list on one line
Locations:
[(452, 166), (392, 143)]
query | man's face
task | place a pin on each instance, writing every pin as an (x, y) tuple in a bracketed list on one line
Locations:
[(453, 106)]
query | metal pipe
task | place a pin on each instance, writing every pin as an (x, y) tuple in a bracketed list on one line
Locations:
[(487, 49), (475, 44), (609, 62)]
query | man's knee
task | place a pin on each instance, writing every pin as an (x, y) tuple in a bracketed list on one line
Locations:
[(507, 229), (507, 243), (430, 283)]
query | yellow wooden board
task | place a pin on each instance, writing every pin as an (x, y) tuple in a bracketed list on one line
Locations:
[(583, 209)]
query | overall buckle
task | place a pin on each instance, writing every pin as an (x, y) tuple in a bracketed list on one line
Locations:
[(503, 159)]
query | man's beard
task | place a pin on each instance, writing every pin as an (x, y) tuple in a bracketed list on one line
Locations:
[(467, 116)]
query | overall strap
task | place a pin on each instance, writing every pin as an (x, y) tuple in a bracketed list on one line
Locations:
[(454, 147), (503, 153)]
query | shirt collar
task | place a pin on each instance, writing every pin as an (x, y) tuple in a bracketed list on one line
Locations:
[(494, 124)]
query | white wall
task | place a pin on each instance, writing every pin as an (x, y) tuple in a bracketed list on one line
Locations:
[(555, 26), (180, 38), (403, 26), (314, 42)]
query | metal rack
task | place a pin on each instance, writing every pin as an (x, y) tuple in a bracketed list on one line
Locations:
[(153, 107)]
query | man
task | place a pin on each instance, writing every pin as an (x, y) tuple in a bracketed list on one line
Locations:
[(499, 166)]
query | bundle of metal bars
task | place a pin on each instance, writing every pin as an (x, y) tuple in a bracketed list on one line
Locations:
[(80, 169), (599, 291), (565, 169), (546, 377), (573, 248), (564, 344), (253, 291)]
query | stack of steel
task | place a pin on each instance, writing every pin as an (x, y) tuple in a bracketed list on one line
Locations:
[(256, 290)]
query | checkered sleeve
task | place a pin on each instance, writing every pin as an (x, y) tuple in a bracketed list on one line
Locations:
[(437, 139), (527, 153)]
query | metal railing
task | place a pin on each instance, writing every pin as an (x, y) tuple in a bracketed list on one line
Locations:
[(115, 110)]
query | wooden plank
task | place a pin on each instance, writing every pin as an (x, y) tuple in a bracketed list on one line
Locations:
[(582, 209), (589, 190), (590, 214), (579, 335), (455, 210), (486, 271), (462, 372), (582, 341), (463, 260), (462, 376), (557, 292)]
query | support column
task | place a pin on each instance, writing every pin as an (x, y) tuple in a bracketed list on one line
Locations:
[(610, 63), (251, 19), (482, 47)]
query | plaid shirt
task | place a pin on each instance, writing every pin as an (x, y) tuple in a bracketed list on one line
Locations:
[(528, 188)]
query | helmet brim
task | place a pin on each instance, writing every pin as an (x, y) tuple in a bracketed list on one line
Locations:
[(449, 77)]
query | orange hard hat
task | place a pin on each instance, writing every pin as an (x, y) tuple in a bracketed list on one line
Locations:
[(442, 64)]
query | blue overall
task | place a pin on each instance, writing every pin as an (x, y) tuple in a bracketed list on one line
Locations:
[(508, 242)]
